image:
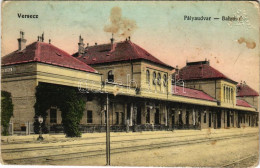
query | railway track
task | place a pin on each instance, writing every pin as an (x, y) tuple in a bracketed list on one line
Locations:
[(91, 144), (237, 162), (93, 153), (33, 140)]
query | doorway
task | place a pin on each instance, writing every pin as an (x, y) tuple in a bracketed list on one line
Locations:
[(173, 119), (209, 119), (138, 115), (148, 115), (157, 116), (187, 117), (219, 119), (228, 119)]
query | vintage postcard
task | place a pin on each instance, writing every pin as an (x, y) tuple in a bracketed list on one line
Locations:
[(130, 83)]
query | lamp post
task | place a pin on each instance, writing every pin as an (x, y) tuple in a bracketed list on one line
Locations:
[(107, 134), (40, 119)]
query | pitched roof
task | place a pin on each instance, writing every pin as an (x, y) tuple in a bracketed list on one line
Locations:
[(191, 93), (200, 70), (122, 51), (45, 53), (242, 103), (245, 90)]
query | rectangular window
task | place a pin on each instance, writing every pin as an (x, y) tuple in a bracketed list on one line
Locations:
[(53, 115), (89, 116)]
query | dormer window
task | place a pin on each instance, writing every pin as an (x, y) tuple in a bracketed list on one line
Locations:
[(110, 76), (148, 76), (159, 79), (154, 78)]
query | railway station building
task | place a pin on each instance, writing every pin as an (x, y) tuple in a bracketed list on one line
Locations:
[(144, 92)]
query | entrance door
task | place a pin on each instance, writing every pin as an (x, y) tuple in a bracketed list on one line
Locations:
[(219, 119), (173, 119), (139, 115), (239, 120), (128, 113), (157, 117), (228, 119), (209, 119), (148, 115), (215, 120), (187, 117), (180, 119)]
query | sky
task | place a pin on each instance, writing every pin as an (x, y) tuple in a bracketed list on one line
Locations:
[(231, 46)]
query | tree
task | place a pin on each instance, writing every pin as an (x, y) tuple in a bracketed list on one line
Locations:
[(6, 110), (67, 99)]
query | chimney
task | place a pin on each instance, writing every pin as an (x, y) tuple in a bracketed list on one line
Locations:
[(81, 46), (112, 43), (49, 41), (96, 44), (21, 41)]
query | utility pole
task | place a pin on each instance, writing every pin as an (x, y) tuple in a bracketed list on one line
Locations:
[(107, 135)]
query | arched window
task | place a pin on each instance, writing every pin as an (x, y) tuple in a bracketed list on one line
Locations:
[(110, 76), (159, 79), (148, 76), (165, 80), (154, 78)]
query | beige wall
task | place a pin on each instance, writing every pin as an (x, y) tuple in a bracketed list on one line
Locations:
[(208, 86), (21, 83), (124, 73), (153, 85)]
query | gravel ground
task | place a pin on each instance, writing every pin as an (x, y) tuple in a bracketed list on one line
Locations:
[(214, 153)]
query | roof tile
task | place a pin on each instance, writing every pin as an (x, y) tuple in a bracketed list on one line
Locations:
[(200, 71), (122, 51), (242, 103), (45, 53), (245, 90), (191, 93)]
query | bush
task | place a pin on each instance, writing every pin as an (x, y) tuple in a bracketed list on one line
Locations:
[(6, 110)]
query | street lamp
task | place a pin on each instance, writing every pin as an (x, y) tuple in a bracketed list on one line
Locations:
[(107, 134), (40, 119)]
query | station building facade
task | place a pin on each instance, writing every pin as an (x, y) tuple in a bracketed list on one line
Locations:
[(144, 93)]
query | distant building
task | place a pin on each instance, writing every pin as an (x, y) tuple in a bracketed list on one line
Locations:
[(144, 92)]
